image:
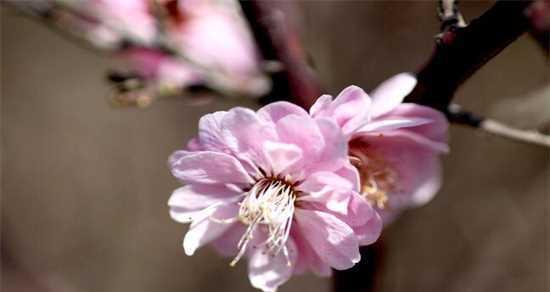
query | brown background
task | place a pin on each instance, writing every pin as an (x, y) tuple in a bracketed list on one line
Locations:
[(84, 186)]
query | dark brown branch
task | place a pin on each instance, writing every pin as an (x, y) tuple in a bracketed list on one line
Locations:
[(278, 42), (460, 52)]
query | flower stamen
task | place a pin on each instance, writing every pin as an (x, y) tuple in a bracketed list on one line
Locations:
[(269, 203), (377, 178)]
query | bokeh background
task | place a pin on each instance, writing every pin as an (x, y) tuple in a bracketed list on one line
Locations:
[(85, 185)]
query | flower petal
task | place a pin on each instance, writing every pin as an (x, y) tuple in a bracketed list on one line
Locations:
[(319, 180), (334, 154), (321, 104), (244, 134), (227, 243), (204, 229), (390, 93), (308, 259), (392, 124), (187, 202), (267, 272), (369, 232), (302, 132), (210, 131), (207, 167), (436, 130), (349, 110), (333, 240), (283, 158), (349, 172), (359, 211), (273, 112)]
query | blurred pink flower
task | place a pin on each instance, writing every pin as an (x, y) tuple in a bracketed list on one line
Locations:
[(394, 145), (117, 20), (209, 41), (159, 67), (213, 35), (275, 186)]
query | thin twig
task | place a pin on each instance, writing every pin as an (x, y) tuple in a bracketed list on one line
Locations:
[(459, 116)]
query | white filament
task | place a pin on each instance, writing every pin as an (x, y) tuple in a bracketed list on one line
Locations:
[(270, 203)]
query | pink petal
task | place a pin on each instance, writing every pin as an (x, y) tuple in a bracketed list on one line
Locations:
[(187, 202), (334, 154), (321, 105), (349, 172), (420, 140), (302, 132), (369, 232), (207, 167), (244, 134), (333, 240), (346, 205), (203, 230), (273, 112), (319, 180), (194, 145), (267, 272), (334, 194), (210, 131), (390, 93), (308, 259), (283, 158), (349, 110), (383, 125), (359, 211), (227, 243), (436, 130)]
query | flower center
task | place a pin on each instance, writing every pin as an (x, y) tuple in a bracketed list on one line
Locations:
[(269, 203), (377, 178)]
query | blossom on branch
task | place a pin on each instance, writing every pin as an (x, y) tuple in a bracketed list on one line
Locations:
[(395, 146), (108, 23), (275, 186), (167, 46)]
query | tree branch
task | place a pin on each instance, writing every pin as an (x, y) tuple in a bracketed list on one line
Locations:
[(461, 51), (278, 43)]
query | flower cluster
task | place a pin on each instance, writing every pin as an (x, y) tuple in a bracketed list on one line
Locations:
[(296, 191), (166, 46)]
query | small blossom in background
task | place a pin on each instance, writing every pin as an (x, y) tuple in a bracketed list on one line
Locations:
[(395, 146), (166, 46), (107, 23), (214, 35), (275, 186), (210, 45)]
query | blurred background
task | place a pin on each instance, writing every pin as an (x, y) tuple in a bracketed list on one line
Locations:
[(85, 185)]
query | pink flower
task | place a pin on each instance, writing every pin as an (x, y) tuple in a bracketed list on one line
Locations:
[(117, 19), (209, 41), (275, 186), (213, 35), (394, 145), (159, 67)]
